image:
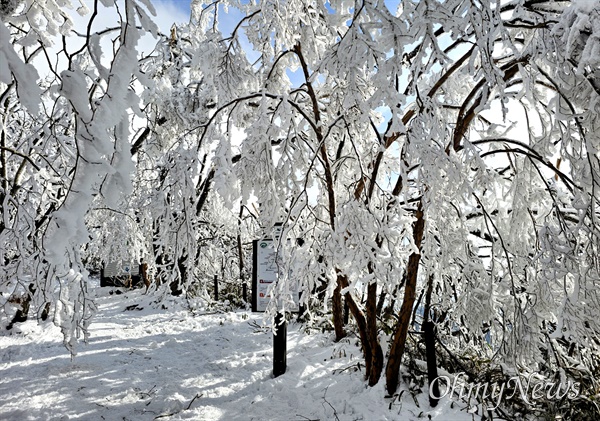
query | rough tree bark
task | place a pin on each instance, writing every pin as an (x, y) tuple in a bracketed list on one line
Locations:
[(372, 334), (361, 323), (401, 331)]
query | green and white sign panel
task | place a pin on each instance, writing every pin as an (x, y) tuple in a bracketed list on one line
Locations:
[(265, 274)]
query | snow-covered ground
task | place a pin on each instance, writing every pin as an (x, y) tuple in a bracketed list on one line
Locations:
[(149, 362)]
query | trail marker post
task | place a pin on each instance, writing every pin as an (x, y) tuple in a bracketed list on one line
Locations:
[(216, 286), (265, 273), (279, 345), (432, 374)]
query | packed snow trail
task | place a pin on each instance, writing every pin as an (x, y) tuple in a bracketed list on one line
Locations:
[(165, 363)]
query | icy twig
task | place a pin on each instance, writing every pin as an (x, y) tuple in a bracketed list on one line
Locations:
[(192, 401), (308, 419), (177, 412), (328, 403)]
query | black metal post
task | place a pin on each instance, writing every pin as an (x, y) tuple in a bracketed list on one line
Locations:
[(429, 333), (255, 275), (245, 292), (280, 345), (216, 284)]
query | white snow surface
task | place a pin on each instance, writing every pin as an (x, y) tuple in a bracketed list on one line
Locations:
[(169, 364)]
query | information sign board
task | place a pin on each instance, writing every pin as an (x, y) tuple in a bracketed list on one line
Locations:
[(265, 274)]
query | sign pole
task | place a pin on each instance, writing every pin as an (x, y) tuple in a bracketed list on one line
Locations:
[(279, 345), (216, 285), (432, 373), (255, 275)]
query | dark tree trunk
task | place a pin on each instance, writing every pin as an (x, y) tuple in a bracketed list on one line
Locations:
[(159, 258), (45, 312), (429, 334), (376, 352), (22, 314), (401, 332), (178, 282), (372, 368), (346, 313), (338, 313), (381, 302)]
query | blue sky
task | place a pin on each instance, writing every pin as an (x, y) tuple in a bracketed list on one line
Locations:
[(178, 11), (182, 5)]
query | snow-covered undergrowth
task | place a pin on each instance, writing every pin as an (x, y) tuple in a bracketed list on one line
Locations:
[(146, 363)]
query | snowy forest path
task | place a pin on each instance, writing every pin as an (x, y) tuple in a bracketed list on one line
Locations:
[(140, 363), (148, 362), (145, 363)]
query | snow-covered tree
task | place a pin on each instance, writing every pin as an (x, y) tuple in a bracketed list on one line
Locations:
[(72, 146), (191, 234), (443, 147), (439, 155)]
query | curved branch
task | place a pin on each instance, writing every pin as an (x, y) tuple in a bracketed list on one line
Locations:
[(566, 180), (22, 155), (466, 115)]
